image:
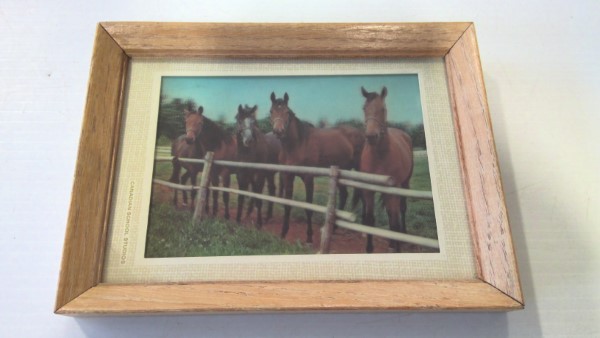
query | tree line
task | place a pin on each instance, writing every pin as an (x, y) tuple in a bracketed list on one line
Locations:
[(171, 122)]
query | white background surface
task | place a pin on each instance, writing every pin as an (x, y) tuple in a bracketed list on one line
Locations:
[(541, 64)]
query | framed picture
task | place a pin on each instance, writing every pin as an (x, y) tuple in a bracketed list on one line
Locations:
[(292, 167)]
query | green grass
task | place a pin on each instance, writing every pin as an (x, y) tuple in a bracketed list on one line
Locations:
[(420, 214), (171, 233), (163, 141)]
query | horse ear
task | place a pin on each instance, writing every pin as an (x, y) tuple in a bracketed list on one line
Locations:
[(273, 97), (186, 113), (286, 98), (383, 92), (364, 92), (254, 109), (240, 108), (200, 110)]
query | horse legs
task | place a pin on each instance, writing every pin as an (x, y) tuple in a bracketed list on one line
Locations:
[(243, 185), (252, 201), (251, 204), (257, 187), (403, 207), (271, 185), (343, 196), (288, 180), (226, 175), (183, 181), (309, 185), (368, 218), (281, 185), (193, 178), (392, 204), (175, 178), (215, 183), (207, 200)]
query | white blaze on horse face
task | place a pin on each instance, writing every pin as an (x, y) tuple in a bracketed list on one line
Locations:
[(247, 131)]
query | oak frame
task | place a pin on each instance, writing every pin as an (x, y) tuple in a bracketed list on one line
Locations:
[(80, 291)]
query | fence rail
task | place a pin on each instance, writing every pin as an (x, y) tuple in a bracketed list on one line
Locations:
[(292, 203), (176, 185), (427, 195), (333, 216), (299, 170), (399, 236)]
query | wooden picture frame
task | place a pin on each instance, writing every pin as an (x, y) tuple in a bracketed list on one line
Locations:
[(80, 290)]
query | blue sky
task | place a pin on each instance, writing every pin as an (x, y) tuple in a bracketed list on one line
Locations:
[(311, 97)]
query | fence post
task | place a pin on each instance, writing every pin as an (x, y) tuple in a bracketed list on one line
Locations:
[(327, 229), (204, 180)]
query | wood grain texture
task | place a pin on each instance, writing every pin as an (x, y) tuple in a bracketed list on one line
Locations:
[(290, 296), (79, 289), (259, 40), (90, 199), (483, 187)]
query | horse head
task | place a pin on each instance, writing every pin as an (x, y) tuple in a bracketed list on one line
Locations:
[(194, 121), (280, 114), (246, 122), (375, 115)]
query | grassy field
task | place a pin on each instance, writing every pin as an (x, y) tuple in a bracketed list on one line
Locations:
[(170, 233), (420, 214)]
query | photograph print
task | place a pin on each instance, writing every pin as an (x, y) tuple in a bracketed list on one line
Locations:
[(282, 165)]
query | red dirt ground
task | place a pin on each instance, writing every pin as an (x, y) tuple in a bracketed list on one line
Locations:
[(343, 242)]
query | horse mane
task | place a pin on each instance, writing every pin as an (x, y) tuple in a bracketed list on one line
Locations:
[(303, 127), (213, 135)]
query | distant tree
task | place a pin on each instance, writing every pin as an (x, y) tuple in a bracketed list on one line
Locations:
[(418, 136), (171, 121), (416, 132), (405, 126), (229, 127), (350, 122), (323, 123), (264, 125)]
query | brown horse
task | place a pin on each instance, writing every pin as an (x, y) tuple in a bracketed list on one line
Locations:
[(388, 151), (304, 145), (252, 146), (181, 149), (207, 135), (357, 138), (274, 146)]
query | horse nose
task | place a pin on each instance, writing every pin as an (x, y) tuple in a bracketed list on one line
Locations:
[(189, 139), (278, 132)]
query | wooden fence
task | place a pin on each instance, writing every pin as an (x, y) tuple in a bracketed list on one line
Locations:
[(333, 216)]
